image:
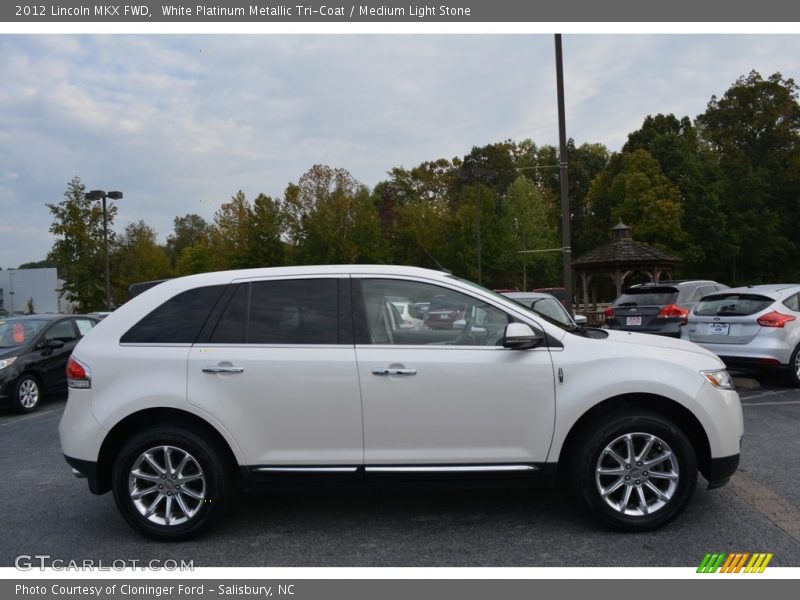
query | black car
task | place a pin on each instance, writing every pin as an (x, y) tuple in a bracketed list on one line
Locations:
[(34, 350), (661, 308)]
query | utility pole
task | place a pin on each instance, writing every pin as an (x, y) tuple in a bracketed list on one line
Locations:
[(563, 177)]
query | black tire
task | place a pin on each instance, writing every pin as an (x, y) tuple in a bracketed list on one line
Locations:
[(679, 468), (794, 368), (212, 491), (27, 394)]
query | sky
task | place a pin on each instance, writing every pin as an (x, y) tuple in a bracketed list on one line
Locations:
[(180, 123)]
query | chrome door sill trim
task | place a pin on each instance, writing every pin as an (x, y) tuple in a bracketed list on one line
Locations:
[(451, 469), (306, 469)]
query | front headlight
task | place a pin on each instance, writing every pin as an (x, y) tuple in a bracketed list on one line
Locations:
[(7, 362), (719, 379)]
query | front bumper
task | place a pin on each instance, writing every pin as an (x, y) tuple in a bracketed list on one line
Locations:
[(721, 469)]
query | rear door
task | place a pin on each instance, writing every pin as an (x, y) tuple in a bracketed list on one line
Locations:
[(279, 371)]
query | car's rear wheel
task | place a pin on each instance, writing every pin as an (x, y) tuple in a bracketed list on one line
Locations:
[(794, 367), (27, 394), (171, 483), (636, 471)]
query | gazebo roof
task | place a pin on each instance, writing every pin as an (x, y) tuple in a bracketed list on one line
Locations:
[(622, 251)]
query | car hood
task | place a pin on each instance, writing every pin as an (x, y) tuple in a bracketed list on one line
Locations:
[(657, 342), (9, 352)]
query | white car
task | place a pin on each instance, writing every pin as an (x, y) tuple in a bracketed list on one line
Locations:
[(213, 382)]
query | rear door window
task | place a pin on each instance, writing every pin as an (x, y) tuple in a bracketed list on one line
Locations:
[(732, 305), (292, 311)]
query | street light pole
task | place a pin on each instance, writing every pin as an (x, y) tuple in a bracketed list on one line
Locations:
[(562, 160), (102, 195)]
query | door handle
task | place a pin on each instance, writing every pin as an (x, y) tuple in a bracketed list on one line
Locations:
[(223, 369), (384, 371)]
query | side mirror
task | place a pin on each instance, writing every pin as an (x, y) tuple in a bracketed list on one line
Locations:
[(460, 324), (54, 344), (581, 320), (520, 336)]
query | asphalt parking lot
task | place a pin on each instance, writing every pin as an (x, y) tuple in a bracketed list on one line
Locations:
[(47, 511)]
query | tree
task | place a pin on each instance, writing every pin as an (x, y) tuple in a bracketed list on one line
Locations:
[(331, 218), (137, 257), (268, 248), (39, 264), (78, 249), (692, 167), (755, 131), (232, 235), (187, 231), (635, 191), (530, 224)]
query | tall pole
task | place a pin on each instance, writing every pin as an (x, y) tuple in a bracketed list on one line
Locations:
[(562, 171), (478, 201), (105, 254)]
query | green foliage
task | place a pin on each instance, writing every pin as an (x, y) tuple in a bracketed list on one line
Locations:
[(136, 257), (39, 264), (754, 131), (78, 249), (720, 193)]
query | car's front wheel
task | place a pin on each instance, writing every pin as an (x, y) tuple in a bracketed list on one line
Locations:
[(636, 471), (171, 483)]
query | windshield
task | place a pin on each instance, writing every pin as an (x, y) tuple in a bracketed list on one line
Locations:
[(647, 297), (15, 333), (557, 322), (732, 305)]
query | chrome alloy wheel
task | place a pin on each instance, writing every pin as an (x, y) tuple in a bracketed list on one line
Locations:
[(28, 393), (797, 365), (167, 485), (637, 474)]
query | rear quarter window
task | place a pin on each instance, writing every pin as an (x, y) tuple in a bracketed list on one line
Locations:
[(732, 305), (176, 321)]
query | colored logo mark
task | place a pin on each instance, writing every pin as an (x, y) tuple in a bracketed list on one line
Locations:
[(738, 562)]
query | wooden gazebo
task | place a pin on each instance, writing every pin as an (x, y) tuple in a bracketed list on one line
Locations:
[(620, 258)]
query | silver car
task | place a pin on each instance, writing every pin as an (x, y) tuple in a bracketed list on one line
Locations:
[(751, 327)]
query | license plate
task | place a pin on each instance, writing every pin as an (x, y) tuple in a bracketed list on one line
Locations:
[(718, 328), (633, 321)]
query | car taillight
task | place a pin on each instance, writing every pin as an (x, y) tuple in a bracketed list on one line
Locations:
[(79, 375), (674, 311), (609, 313), (775, 319)]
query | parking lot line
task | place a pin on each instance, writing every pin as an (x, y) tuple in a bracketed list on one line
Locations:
[(745, 396), (33, 416), (777, 509), (770, 403)]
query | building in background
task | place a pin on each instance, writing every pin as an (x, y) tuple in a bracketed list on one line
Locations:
[(42, 286)]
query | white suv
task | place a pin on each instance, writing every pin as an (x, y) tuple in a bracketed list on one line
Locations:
[(208, 384)]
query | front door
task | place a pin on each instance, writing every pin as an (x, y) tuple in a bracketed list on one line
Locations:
[(448, 395)]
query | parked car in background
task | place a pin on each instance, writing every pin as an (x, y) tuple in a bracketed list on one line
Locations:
[(444, 310), (558, 292), (752, 327), (34, 350), (661, 308), (209, 383), (546, 305)]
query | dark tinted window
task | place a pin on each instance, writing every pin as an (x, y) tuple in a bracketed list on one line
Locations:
[(62, 331), (647, 297), (230, 328), (793, 303), (178, 320), (732, 305), (294, 311)]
